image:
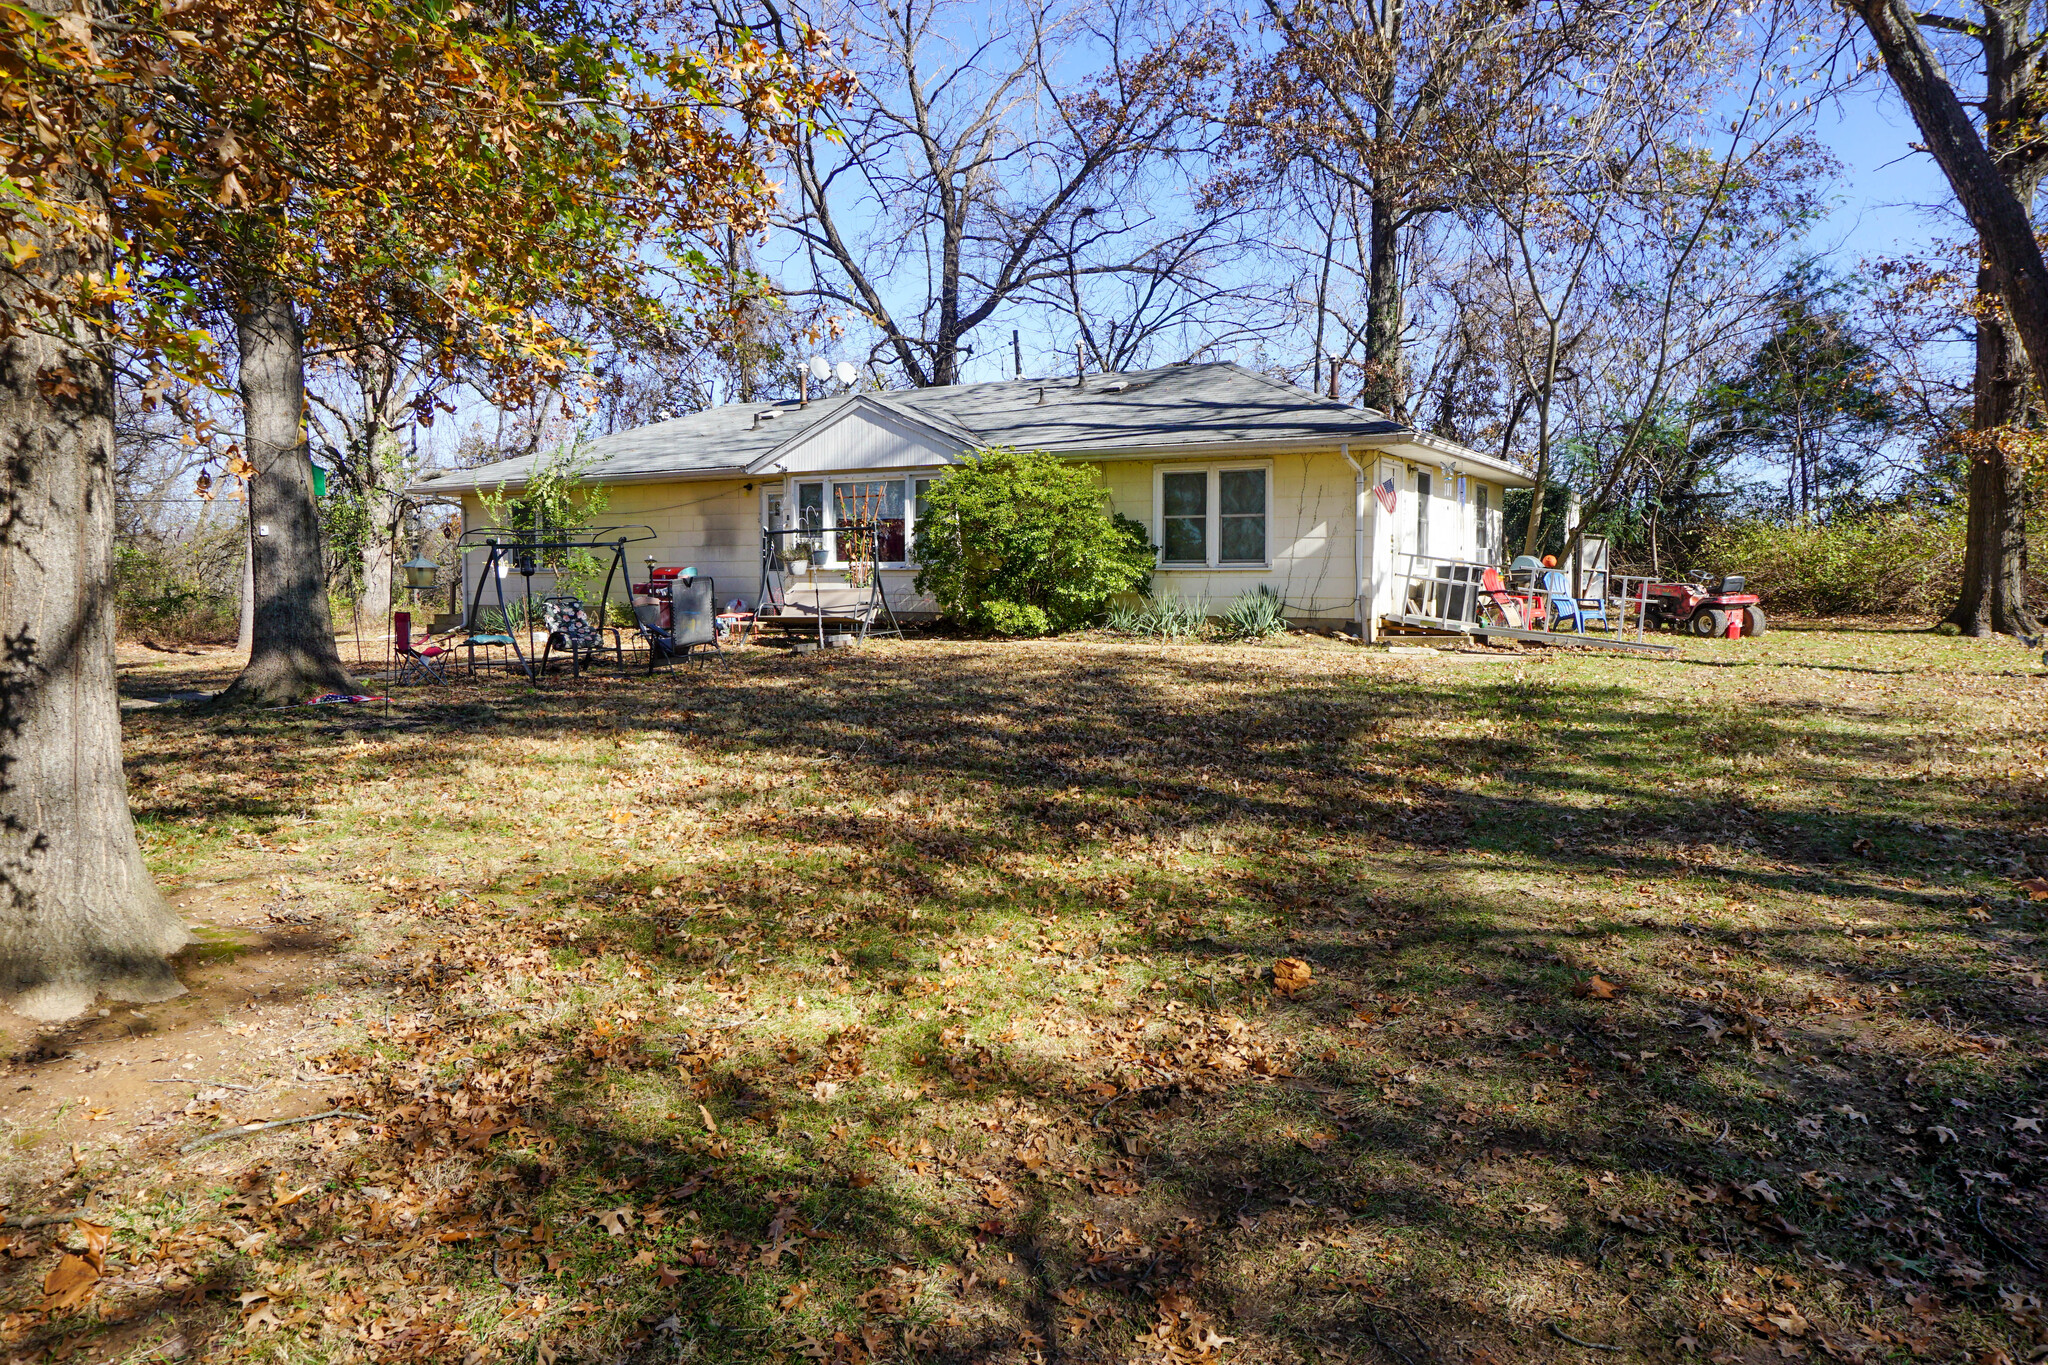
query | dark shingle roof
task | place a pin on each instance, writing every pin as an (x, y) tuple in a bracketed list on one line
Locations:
[(1164, 409)]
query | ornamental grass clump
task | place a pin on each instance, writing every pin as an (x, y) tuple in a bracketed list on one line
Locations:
[(1023, 543)]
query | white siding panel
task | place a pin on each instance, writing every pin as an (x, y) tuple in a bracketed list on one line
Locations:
[(866, 440), (1309, 536)]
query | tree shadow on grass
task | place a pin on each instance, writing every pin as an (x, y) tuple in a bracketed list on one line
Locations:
[(1450, 1143)]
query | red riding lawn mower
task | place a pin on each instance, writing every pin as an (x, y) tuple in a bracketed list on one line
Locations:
[(1705, 606)]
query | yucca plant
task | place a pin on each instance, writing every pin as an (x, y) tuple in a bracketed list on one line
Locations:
[(1176, 618), (1125, 618), (1257, 615)]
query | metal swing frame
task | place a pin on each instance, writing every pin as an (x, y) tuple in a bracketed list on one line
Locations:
[(511, 546), (774, 558)]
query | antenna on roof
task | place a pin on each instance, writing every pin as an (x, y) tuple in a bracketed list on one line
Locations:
[(821, 368), (1080, 366), (847, 374)]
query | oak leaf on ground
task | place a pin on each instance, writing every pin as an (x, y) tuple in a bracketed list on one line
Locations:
[(70, 1284)]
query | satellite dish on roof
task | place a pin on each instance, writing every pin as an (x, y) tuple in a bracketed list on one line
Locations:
[(847, 373), (821, 368)]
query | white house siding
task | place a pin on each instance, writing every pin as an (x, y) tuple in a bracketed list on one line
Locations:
[(715, 525), (1311, 519), (863, 440), (1453, 525)]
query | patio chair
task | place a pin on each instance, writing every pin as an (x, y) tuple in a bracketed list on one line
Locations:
[(418, 663), (692, 614), (1516, 609), (1557, 589), (571, 631)]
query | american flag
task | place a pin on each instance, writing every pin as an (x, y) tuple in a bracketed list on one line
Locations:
[(1385, 493)]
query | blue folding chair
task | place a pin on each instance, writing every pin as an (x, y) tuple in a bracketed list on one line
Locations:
[(1557, 591)]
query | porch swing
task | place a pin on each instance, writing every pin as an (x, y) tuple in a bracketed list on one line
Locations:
[(793, 553)]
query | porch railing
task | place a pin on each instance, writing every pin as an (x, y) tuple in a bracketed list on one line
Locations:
[(1432, 590)]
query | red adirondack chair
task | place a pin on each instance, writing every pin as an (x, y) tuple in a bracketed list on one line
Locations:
[(1516, 611)]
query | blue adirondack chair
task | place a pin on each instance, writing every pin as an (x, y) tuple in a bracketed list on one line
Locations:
[(1557, 591)]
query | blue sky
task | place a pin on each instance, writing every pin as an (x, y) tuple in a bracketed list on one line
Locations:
[(1891, 199)]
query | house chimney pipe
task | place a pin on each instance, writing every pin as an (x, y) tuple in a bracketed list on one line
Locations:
[(1080, 366)]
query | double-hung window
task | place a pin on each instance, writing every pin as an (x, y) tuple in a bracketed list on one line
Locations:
[(1213, 518)]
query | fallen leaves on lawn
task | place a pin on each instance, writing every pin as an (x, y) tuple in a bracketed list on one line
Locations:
[(1291, 974), (70, 1284), (1598, 988)]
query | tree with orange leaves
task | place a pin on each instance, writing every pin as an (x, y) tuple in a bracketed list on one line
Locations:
[(288, 166)]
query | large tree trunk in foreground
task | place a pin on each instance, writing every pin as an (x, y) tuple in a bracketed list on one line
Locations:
[(79, 915), (292, 655), (1992, 600), (2001, 212), (245, 633)]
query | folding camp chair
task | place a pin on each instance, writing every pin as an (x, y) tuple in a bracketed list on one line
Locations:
[(571, 632), (692, 613), (421, 663)]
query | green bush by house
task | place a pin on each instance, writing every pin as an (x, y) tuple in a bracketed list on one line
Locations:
[(1022, 543)]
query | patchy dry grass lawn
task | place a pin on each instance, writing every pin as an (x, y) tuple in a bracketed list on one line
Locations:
[(1078, 1002)]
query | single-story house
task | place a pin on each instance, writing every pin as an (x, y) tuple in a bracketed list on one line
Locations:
[(1242, 480)]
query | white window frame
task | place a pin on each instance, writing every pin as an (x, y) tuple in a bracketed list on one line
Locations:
[(1212, 538), (831, 477), (1424, 521)]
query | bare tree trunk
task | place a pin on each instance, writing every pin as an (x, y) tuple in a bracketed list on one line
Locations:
[(1995, 391), (1532, 534), (79, 915), (376, 572), (1992, 597), (2010, 614), (292, 656), (1383, 303)]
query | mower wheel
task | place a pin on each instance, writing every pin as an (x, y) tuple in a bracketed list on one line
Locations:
[(1709, 624), (1753, 623)]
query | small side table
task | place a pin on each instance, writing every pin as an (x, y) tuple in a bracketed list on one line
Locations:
[(740, 626)]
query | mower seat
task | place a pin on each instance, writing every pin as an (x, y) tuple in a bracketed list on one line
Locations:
[(1732, 582)]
